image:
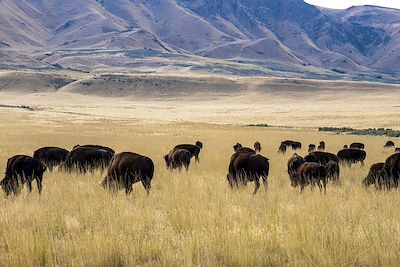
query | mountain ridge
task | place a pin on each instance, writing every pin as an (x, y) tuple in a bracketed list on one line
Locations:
[(359, 39)]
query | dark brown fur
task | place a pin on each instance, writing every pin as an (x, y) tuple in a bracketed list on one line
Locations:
[(257, 147), (351, 156), (178, 158), (321, 157), (87, 158), (357, 146), (312, 173), (127, 169), (294, 164), (248, 167), (332, 171), (374, 176), (389, 144), (193, 149), (311, 148), (51, 156), (22, 169)]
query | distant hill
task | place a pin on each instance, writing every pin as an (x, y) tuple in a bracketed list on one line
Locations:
[(275, 34)]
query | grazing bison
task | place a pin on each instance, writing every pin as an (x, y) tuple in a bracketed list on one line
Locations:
[(391, 171), (321, 146), (357, 146), (389, 144), (257, 147), (20, 170), (51, 156), (397, 149), (294, 164), (87, 158), (321, 157), (239, 148), (178, 158), (247, 167), (332, 171), (296, 145), (111, 151), (375, 176), (311, 148), (312, 173), (127, 169), (193, 149), (351, 156), (282, 148), (288, 142)]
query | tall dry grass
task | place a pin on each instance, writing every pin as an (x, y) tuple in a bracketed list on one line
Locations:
[(192, 218)]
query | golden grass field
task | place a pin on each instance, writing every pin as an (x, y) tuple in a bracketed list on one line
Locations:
[(191, 218)]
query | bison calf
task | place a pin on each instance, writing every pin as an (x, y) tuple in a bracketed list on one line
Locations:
[(20, 170), (127, 169)]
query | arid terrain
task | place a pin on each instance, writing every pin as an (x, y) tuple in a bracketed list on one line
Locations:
[(194, 218)]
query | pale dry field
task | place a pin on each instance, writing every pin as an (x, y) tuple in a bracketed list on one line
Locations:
[(190, 218)]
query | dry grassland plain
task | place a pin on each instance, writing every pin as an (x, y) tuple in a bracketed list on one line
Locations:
[(194, 218)]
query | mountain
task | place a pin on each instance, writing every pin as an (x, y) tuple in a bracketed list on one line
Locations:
[(267, 33)]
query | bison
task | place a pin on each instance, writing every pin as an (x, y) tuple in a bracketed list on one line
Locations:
[(282, 148), (239, 148), (22, 169), (375, 176), (296, 145), (87, 158), (391, 171), (332, 171), (257, 147), (389, 144), (321, 157), (193, 149), (178, 158), (247, 167), (357, 146), (294, 164), (321, 146), (311, 148), (345, 147), (126, 169), (110, 150), (51, 156), (351, 156), (312, 173)]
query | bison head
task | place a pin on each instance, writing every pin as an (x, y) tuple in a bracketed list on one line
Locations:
[(199, 144)]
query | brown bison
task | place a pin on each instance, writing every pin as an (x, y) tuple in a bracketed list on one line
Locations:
[(389, 144), (288, 142), (51, 156), (127, 169), (257, 147), (351, 156), (294, 164), (321, 146), (312, 173), (296, 145), (239, 148), (311, 148), (321, 157), (248, 167), (375, 176), (282, 148), (178, 158), (20, 170), (357, 146), (87, 158), (193, 149), (332, 171), (391, 171)]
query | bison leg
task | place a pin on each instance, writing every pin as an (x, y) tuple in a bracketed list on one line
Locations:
[(30, 186), (362, 163), (146, 184), (257, 182), (197, 158), (39, 184)]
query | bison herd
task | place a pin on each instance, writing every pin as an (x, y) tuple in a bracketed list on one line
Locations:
[(246, 165)]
